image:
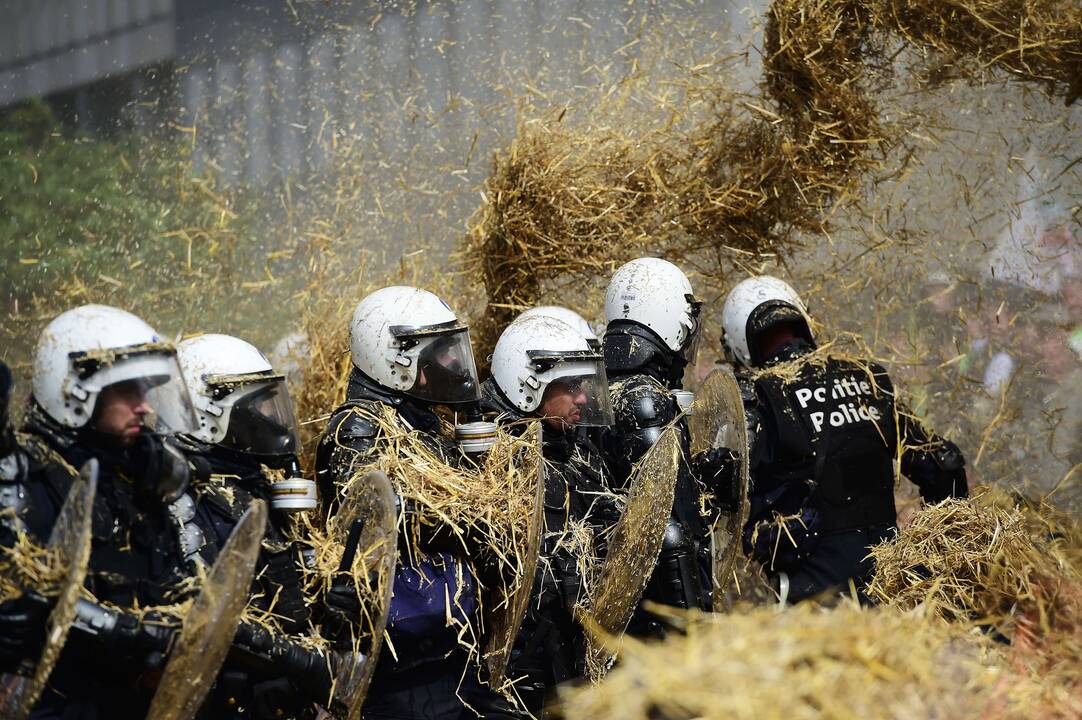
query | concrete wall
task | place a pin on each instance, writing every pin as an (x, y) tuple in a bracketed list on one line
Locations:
[(50, 46), (267, 85)]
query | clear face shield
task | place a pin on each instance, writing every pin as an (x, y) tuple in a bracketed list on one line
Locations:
[(577, 393), (694, 324), (146, 373), (261, 419), (445, 372)]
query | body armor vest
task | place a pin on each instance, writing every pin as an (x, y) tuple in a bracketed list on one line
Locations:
[(836, 430)]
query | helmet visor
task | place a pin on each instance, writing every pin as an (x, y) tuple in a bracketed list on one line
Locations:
[(446, 372), (578, 391), (694, 324), (261, 419), (152, 371)]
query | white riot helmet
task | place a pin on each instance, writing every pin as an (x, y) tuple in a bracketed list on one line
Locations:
[(656, 294), (538, 353), (410, 341), (566, 315), (753, 306), (240, 401), (87, 349)]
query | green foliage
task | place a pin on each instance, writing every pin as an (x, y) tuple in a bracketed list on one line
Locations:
[(127, 223), (73, 207)]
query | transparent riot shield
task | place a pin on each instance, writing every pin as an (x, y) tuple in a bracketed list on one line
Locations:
[(211, 622), (508, 616), (634, 546), (371, 501), (718, 421), (71, 537)]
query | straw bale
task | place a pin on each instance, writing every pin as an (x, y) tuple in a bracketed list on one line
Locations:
[(1034, 40), (752, 174), (1012, 567), (560, 203), (979, 563), (804, 663)]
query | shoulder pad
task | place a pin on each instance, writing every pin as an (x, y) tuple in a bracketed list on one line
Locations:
[(355, 422), (880, 376), (642, 402)]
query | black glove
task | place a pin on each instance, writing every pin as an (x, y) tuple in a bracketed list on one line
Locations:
[(343, 611), (140, 639), (22, 630), (718, 469), (940, 473), (259, 651), (161, 471)]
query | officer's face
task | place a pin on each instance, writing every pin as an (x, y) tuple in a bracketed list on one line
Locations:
[(121, 410), (562, 404)]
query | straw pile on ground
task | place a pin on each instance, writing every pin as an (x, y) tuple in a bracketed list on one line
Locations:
[(962, 578), (975, 563), (804, 663), (1012, 569)]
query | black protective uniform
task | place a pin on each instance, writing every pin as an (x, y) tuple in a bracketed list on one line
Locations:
[(428, 675), (135, 559), (823, 448), (642, 373), (251, 684), (551, 645)]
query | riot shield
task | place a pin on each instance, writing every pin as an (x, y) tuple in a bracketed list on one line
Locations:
[(211, 622), (634, 546), (372, 501), (718, 421), (71, 537), (507, 618)]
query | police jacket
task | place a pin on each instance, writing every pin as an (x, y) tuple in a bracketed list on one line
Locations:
[(641, 379), (550, 647), (825, 433), (135, 557), (236, 481), (428, 675), (249, 685)]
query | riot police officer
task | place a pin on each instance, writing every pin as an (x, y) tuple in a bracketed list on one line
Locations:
[(825, 433), (246, 436), (105, 387), (651, 337), (410, 352), (544, 368)]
